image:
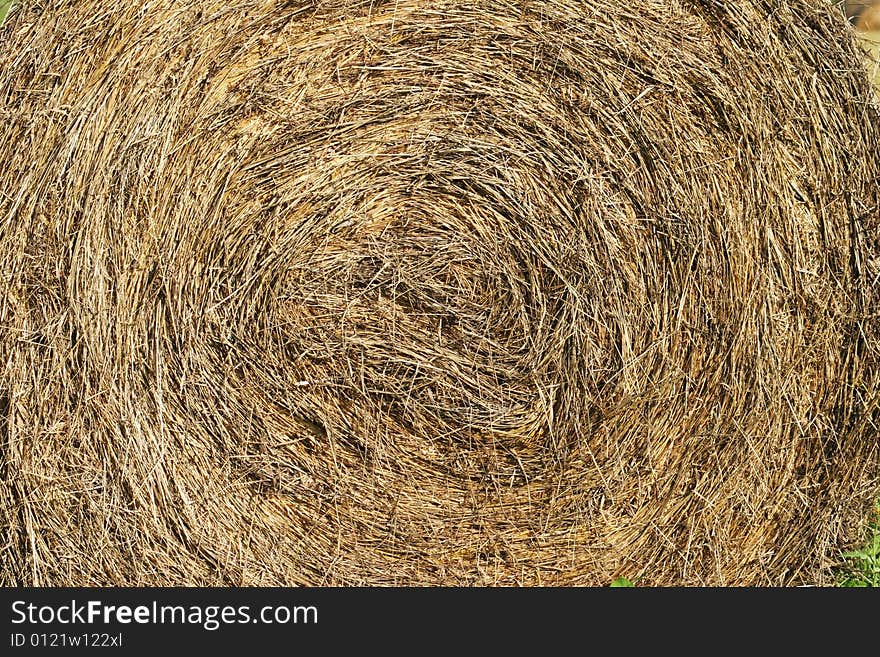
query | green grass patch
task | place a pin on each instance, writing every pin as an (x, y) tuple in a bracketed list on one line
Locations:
[(863, 566), (5, 6)]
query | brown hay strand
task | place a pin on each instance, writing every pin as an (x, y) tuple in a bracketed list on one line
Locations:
[(423, 292)]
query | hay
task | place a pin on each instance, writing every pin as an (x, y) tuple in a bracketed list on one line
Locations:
[(421, 292)]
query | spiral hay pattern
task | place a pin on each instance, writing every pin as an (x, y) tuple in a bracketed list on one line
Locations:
[(435, 292)]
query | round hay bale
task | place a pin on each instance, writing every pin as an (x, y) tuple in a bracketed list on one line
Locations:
[(435, 292)]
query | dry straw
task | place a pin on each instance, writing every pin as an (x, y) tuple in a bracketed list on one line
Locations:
[(435, 292)]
